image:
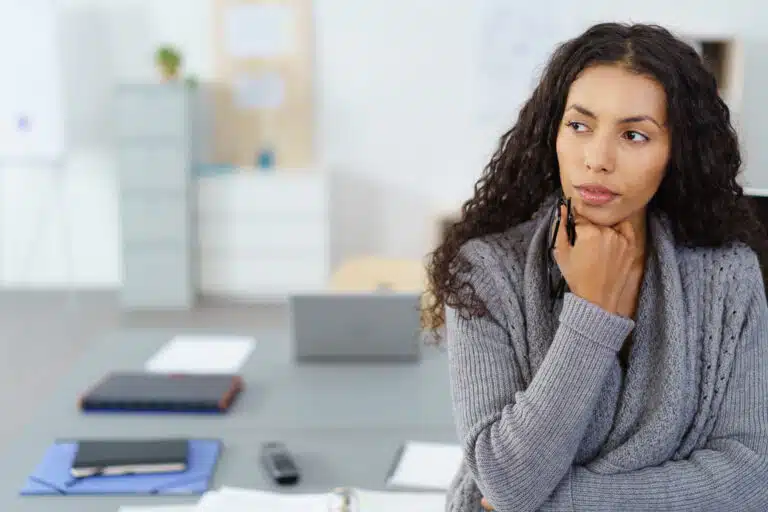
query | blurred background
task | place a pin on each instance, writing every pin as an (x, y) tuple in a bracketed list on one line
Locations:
[(398, 105), (194, 164)]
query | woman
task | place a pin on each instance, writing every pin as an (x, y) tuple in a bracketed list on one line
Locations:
[(627, 367)]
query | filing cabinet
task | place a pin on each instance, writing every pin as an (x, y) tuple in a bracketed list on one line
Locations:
[(155, 183)]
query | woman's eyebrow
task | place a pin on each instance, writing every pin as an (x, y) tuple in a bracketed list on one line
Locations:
[(632, 119)]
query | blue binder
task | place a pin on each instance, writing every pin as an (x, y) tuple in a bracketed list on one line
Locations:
[(52, 476)]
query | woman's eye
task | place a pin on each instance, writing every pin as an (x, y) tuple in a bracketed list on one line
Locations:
[(577, 127), (636, 136)]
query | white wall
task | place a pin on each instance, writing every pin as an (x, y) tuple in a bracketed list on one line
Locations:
[(395, 122)]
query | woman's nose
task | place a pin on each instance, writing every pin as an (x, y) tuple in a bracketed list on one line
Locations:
[(600, 155)]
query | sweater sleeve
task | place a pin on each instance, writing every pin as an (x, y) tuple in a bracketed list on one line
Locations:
[(729, 473), (520, 442)]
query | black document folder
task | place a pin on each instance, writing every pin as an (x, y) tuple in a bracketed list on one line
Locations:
[(163, 393)]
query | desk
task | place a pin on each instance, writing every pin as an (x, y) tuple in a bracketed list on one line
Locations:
[(344, 422)]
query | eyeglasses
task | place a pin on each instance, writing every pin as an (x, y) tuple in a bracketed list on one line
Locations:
[(557, 283)]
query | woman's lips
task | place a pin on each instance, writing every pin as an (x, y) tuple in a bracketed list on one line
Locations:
[(596, 195)]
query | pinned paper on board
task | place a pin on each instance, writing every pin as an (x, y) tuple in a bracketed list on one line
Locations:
[(259, 91), (259, 30)]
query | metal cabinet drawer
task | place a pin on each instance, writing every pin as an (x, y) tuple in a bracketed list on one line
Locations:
[(153, 168), (152, 112), (154, 219)]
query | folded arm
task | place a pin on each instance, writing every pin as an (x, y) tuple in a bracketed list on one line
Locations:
[(729, 473), (520, 442)]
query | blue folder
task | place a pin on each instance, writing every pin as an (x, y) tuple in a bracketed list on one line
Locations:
[(52, 476)]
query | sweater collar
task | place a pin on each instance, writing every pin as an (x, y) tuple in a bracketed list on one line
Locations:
[(650, 418)]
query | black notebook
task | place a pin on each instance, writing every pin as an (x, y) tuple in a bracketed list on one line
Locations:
[(121, 457), (163, 392)]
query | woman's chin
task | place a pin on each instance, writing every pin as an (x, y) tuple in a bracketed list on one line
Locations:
[(600, 216)]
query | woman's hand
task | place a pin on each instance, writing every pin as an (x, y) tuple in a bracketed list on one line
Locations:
[(627, 305), (486, 506), (597, 266)]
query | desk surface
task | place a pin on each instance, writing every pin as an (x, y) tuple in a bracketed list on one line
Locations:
[(343, 421)]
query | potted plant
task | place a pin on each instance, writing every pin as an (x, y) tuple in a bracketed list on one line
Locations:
[(168, 60)]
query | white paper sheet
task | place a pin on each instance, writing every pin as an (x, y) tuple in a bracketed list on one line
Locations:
[(242, 500), (159, 508), (259, 91), (426, 466), (246, 500), (259, 30), (375, 501), (202, 355)]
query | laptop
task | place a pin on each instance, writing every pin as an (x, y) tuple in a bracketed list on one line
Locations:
[(363, 327)]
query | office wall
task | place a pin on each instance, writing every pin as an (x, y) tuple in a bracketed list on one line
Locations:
[(395, 119)]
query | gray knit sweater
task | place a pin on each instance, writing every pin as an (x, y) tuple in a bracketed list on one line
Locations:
[(549, 420)]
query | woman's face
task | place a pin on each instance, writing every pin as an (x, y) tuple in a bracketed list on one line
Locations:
[(613, 144)]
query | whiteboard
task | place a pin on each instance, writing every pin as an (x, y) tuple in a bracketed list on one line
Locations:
[(31, 103), (515, 43)]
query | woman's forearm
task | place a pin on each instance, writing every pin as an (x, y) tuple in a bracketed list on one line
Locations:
[(520, 454)]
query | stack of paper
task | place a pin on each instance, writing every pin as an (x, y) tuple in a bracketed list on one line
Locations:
[(202, 354), (375, 501), (429, 466), (228, 499), (242, 500)]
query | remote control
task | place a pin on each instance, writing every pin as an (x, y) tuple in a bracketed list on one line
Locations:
[(279, 463)]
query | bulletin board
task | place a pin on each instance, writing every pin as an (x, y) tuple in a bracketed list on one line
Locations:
[(263, 93)]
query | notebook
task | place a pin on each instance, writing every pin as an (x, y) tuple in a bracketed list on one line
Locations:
[(135, 456), (52, 475), (163, 393)]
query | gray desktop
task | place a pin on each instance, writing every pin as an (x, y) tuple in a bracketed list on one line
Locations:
[(343, 422)]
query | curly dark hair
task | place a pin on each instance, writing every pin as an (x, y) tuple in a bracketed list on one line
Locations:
[(699, 193)]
